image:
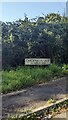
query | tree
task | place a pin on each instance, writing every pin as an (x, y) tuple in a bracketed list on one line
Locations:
[(46, 38)]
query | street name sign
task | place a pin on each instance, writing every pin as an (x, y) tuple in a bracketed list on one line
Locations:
[(37, 61)]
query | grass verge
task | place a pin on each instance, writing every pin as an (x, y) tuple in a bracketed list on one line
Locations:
[(23, 77)]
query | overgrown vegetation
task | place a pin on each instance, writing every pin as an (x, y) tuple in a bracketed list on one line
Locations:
[(23, 77), (44, 38)]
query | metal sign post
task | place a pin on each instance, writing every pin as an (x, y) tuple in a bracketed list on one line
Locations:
[(67, 9)]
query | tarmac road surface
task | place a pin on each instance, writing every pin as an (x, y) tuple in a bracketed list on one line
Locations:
[(33, 97)]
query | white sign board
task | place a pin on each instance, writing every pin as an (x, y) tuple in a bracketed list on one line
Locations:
[(37, 61)]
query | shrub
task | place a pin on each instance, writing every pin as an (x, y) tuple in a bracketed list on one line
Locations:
[(56, 70), (65, 69)]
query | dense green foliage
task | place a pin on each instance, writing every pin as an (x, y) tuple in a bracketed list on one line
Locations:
[(44, 38), (23, 77)]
